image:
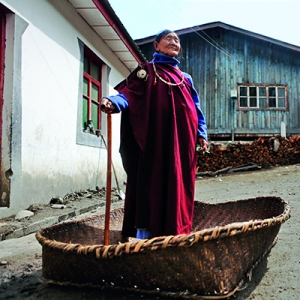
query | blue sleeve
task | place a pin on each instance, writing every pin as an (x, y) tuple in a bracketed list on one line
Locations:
[(202, 128), (119, 101)]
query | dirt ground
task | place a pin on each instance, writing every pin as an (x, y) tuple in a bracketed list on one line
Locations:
[(276, 277)]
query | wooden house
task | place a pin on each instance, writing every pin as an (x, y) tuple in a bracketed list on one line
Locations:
[(248, 83)]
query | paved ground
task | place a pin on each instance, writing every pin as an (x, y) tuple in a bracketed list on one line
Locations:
[(277, 277)]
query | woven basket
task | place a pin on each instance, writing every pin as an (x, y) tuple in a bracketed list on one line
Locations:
[(213, 262)]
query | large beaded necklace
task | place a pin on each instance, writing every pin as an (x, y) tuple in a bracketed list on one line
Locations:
[(166, 82)]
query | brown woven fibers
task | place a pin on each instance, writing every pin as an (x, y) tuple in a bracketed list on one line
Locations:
[(227, 241)]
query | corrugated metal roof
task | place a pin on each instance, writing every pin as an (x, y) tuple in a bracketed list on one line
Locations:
[(100, 16)]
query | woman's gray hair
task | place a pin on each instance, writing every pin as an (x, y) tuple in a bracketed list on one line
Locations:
[(161, 34)]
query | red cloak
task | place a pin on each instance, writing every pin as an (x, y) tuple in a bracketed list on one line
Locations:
[(158, 149)]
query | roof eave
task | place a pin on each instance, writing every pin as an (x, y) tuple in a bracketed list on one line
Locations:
[(108, 13)]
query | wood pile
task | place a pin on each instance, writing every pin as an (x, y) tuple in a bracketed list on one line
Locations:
[(262, 153)]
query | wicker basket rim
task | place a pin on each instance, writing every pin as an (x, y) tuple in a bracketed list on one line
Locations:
[(162, 242)]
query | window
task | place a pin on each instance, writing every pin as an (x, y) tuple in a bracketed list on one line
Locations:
[(262, 97), (91, 94)]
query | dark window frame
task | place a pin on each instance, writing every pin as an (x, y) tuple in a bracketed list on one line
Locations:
[(85, 138), (89, 124), (253, 96)]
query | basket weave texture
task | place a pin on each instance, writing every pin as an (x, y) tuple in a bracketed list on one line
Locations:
[(227, 241)]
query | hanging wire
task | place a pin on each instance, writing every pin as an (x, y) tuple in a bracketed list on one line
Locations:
[(213, 43), (216, 45)]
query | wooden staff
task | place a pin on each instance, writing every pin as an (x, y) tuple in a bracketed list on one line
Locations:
[(108, 181)]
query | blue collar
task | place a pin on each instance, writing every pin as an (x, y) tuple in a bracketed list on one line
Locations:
[(165, 59)]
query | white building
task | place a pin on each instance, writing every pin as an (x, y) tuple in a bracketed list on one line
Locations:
[(57, 57)]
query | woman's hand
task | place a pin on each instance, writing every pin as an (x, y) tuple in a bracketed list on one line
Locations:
[(203, 144), (106, 106)]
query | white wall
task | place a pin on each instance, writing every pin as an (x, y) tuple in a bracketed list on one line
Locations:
[(48, 161)]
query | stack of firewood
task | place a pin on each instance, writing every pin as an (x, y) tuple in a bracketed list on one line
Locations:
[(263, 152)]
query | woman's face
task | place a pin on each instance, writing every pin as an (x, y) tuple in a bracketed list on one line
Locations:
[(168, 45)]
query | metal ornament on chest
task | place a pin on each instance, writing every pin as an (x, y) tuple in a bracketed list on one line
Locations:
[(142, 74)]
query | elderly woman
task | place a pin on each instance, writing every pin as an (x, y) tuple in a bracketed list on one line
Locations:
[(160, 127)]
